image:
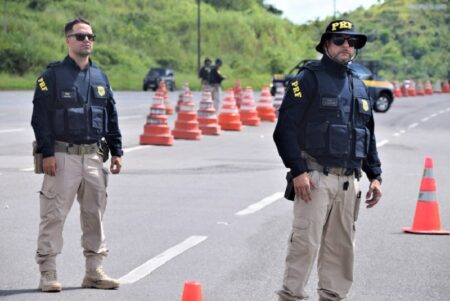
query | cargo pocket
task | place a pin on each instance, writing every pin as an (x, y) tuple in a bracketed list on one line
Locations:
[(315, 136), (76, 120), (357, 205), (338, 139), (49, 203), (105, 175), (299, 226), (362, 137), (98, 119)]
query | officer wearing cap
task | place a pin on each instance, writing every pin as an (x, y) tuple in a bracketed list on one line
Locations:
[(73, 109), (325, 136), (204, 73)]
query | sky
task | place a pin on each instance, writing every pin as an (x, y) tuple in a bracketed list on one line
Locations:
[(301, 11)]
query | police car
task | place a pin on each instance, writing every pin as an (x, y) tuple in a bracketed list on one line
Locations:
[(381, 91)]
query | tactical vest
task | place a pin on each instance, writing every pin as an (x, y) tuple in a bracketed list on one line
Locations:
[(329, 132), (75, 119)]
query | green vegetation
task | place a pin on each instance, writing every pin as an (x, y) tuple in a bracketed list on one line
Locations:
[(408, 38)]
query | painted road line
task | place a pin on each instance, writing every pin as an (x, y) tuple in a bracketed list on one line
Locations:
[(131, 117), (433, 115), (261, 204), (11, 131), (425, 119), (133, 148), (27, 169), (154, 263), (382, 142), (411, 126)]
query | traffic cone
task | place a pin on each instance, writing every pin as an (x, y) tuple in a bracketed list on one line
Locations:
[(279, 94), (207, 118), (445, 87), (404, 90), (248, 113), (229, 118), (265, 105), (437, 87), (156, 130), (186, 125), (238, 93), (420, 91), (428, 88), (427, 217), (412, 89), (192, 291), (397, 91), (165, 94)]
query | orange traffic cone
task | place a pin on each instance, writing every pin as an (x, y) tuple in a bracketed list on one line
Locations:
[(165, 94), (192, 291), (404, 90), (279, 94), (428, 88), (412, 89), (238, 93), (397, 91), (445, 87), (248, 113), (156, 130), (427, 217), (186, 125), (229, 118), (207, 117), (265, 105), (420, 91)]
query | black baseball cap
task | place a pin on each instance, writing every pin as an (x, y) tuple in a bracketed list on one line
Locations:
[(341, 27)]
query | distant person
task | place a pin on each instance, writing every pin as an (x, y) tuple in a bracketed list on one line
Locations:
[(215, 80), (73, 109), (204, 73), (325, 135)]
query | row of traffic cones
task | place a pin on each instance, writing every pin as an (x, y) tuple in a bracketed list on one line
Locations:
[(421, 90), (191, 125)]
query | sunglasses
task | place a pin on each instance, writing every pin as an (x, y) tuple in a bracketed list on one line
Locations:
[(339, 41), (82, 36)]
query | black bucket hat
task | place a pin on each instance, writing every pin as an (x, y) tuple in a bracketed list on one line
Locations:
[(341, 27)]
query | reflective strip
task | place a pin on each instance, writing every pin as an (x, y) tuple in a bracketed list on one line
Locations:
[(206, 105), (155, 121), (229, 111), (248, 108), (427, 196), (186, 108), (264, 104), (427, 173)]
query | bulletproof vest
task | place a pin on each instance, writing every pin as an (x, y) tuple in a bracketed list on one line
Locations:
[(80, 107), (337, 117)]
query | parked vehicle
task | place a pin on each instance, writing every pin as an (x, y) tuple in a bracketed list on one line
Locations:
[(381, 91), (155, 75)]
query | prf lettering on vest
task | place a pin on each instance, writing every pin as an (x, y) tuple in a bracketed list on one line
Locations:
[(341, 25), (296, 89), (42, 84)]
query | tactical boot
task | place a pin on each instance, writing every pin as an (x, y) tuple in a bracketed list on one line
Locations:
[(49, 282), (98, 279)]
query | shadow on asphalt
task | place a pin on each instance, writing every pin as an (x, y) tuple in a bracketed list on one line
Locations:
[(12, 292)]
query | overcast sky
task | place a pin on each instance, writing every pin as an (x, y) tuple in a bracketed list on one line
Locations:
[(301, 11)]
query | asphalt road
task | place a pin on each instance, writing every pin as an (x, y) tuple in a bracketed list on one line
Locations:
[(173, 212)]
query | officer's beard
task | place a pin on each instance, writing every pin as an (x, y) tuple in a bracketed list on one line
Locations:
[(340, 61)]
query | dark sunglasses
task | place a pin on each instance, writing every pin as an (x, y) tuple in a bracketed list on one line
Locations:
[(82, 36), (339, 41)]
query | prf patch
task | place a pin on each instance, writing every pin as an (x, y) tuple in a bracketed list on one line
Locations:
[(365, 105), (296, 89), (101, 90), (341, 25), (42, 84)]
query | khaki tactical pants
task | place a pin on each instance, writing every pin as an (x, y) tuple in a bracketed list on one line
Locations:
[(323, 226), (85, 177), (216, 91)]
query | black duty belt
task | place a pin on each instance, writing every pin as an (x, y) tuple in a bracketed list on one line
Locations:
[(338, 171), (75, 149)]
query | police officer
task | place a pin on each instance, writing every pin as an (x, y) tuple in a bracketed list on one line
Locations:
[(215, 79), (73, 108), (325, 135), (204, 73)]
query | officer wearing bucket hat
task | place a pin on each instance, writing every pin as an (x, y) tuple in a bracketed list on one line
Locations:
[(325, 136)]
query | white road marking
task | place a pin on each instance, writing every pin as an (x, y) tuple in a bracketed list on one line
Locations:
[(433, 115), (261, 204), (130, 149), (411, 126), (382, 142), (397, 134), (27, 169), (425, 119), (154, 263), (131, 117), (11, 131)]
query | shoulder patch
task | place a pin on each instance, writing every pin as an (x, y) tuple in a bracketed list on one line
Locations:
[(42, 84), (296, 89)]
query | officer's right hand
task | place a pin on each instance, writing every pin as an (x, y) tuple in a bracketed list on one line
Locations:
[(302, 186), (49, 166)]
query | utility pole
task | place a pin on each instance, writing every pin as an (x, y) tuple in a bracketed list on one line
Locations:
[(5, 21), (199, 36)]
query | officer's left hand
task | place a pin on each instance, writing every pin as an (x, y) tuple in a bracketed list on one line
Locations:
[(116, 165), (373, 196)]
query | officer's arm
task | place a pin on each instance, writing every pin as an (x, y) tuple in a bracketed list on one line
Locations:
[(113, 137), (372, 165), (288, 132), (41, 119)]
